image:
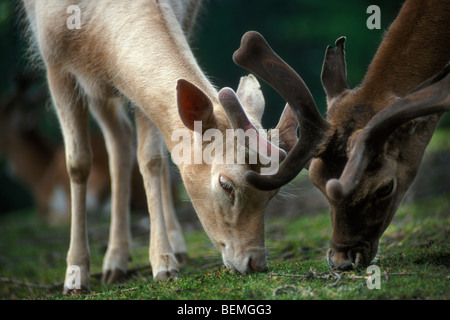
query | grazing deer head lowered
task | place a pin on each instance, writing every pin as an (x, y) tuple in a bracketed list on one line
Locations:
[(149, 62), (365, 155)]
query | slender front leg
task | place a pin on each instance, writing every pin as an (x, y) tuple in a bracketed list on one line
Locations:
[(173, 226), (73, 115), (118, 134), (150, 159)]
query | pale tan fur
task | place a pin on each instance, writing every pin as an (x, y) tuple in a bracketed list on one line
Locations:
[(138, 50)]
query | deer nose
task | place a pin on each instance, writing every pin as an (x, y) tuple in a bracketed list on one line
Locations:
[(341, 259), (257, 265)]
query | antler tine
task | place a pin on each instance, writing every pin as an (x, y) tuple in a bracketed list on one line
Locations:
[(334, 71), (295, 161), (432, 96), (256, 56), (239, 120), (359, 160)]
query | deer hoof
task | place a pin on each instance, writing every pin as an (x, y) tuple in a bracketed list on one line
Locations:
[(75, 292), (113, 276), (182, 258), (167, 275)]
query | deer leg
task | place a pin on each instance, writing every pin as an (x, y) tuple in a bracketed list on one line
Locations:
[(173, 226), (150, 159), (73, 115), (118, 134)]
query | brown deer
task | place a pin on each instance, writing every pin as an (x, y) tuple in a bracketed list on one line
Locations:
[(365, 155), (40, 166), (27, 154), (139, 50)]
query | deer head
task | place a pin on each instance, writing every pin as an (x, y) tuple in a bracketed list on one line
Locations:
[(234, 220), (366, 154)]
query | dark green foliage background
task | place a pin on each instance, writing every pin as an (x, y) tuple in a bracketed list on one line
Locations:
[(299, 30)]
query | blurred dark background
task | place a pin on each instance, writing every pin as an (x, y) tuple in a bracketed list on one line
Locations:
[(298, 30)]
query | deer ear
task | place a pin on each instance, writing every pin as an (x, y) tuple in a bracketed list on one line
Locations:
[(194, 105), (250, 94), (334, 70), (287, 128)]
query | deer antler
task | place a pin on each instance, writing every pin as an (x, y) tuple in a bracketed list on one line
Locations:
[(432, 96), (239, 120), (256, 56), (334, 71)]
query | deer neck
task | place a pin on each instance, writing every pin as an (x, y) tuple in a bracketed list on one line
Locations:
[(416, 46), (152, 56)]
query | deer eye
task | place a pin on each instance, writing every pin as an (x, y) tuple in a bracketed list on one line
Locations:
[(385, 190), (226, 185)]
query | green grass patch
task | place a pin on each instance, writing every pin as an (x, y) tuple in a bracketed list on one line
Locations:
[(414, 260)]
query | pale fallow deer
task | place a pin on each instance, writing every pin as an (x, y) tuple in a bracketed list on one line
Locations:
[(139, 50), (365, 155)]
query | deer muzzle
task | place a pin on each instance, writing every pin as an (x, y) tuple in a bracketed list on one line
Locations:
[(250, 261), (350, 257)]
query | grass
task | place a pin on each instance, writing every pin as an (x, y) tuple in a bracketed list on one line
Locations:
[(414, 259)]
